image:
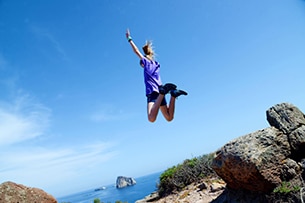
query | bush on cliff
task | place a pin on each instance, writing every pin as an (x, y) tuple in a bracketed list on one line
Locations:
[(191, 170), (96, 200)]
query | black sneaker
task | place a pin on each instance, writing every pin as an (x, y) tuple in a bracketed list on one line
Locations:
[(164, 89), (177, 93)]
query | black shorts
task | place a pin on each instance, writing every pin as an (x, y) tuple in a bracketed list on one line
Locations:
[(153, 97)]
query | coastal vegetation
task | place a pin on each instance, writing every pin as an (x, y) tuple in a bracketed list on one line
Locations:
[(176, 178), (97, 200), (287, 187)]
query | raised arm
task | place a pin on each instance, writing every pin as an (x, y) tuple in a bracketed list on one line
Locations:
[(133, 45)]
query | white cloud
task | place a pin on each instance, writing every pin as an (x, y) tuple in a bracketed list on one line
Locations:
[(57, 170), (52, 169), (22, 119), (38, 157)]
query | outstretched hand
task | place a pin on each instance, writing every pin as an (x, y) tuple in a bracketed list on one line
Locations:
[(127, 33), (133, 45)]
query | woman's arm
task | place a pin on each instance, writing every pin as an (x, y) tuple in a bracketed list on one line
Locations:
[(133, 45)]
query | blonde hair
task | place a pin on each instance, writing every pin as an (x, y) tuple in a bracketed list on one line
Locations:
[(148, 50)]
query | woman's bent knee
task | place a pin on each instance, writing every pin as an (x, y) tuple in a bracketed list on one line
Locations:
[(151, 119), (170, 119)]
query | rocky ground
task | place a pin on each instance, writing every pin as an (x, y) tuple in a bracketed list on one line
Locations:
[(17, 193), (203, 192)]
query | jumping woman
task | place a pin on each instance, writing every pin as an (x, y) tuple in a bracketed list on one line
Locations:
[(155, 91)]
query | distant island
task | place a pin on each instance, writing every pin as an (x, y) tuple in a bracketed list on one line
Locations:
[(123, 181)]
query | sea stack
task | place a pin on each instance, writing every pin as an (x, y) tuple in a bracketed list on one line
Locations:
[(122, 182)]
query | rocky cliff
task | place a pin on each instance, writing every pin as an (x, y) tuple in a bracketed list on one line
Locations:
[(124, 182), (255, 165), (259, 162), (12, 192)]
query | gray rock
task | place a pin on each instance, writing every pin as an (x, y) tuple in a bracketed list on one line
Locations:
[(122, 182), (297, 140), (285, 117)]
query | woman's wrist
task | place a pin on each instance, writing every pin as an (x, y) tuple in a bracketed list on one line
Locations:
[(129, 38)]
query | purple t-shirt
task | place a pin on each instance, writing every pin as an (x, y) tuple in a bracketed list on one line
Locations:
[(152, 77)]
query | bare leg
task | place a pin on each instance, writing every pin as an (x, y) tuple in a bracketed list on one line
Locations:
[(153, 108), (168, 112)]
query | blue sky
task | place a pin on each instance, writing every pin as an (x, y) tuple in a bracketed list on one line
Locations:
[(72, 102)]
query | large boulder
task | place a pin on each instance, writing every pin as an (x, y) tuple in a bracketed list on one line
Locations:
[(122, 182), (254, 161), (12, 192), (262, 160)]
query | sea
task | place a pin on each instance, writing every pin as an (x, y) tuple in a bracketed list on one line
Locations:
[(110, 194)]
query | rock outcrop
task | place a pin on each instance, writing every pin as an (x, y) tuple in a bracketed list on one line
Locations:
[(255, 165), (122, 182), (12, 192), (262, 160)]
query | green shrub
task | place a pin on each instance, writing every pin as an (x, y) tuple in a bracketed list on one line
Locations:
[(169, 173), (97, 200), (286, 188), (191, 170)]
